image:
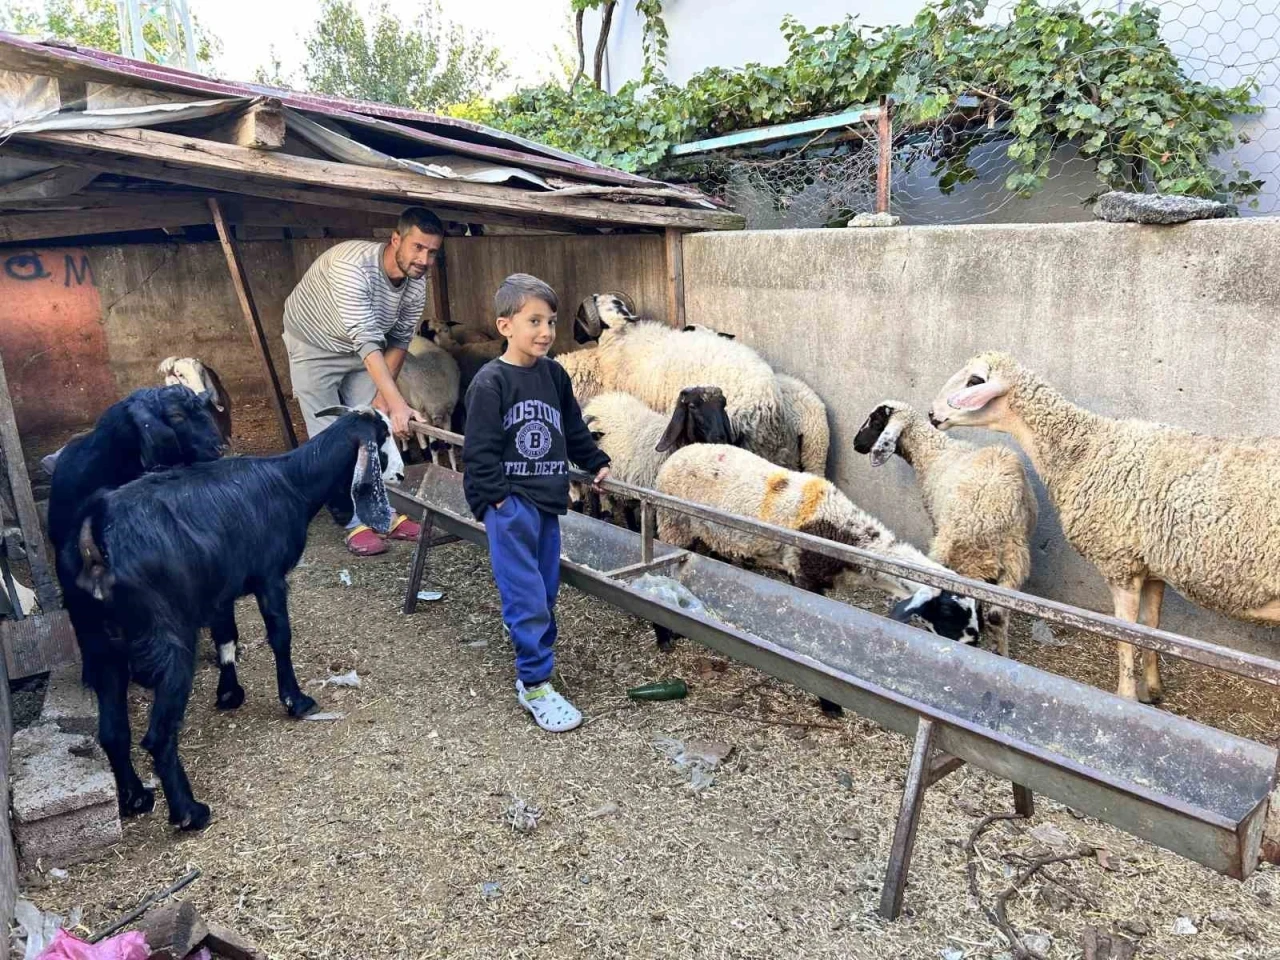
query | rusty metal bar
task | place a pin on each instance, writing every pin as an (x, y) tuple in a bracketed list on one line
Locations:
[(904, 834), (419, 562), (633, 569), (884, 165), (1215, 656), (943, 766)]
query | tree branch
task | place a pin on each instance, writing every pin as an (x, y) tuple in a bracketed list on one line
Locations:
[(606, 23), (582, 50)]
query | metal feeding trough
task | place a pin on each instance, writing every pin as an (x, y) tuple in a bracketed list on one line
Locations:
[(1184, 786)]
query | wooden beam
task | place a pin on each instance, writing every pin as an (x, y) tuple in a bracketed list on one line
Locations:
[(24, 503), (884, 165), (438, 280), (250, 310), (245, 186), (194, 153), (38, 644), (675, 278), (16, 228), (261, 127)]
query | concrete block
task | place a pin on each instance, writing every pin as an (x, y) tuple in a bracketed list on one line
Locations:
[(875, 220), (69, 838), (69, 704), (55, 773), (63, 797)]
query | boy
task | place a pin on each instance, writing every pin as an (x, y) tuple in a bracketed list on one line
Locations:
[(523, 429)]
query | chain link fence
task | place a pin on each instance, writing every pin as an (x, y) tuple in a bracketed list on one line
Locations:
[(830, 178)]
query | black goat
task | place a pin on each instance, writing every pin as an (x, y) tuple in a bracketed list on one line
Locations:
[(152, 428), (171, 552)]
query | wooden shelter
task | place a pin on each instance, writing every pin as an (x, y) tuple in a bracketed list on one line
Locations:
[(94, 145)]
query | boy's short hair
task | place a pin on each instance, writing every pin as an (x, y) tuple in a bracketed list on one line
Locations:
[(423, 219), (517, 290)]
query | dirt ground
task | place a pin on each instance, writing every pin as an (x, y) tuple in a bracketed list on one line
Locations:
[(387, 833)]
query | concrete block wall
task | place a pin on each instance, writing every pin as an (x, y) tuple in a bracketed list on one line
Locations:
[(1176, 324)]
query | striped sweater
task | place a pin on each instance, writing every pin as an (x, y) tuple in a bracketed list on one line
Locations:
[(346, 304)]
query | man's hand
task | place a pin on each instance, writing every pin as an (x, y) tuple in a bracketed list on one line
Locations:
[(601, 476), (400, 416)]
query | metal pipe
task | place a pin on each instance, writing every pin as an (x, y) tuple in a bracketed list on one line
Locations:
[(1215, 656)]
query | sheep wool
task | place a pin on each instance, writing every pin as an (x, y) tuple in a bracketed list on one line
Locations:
[(807, 415)]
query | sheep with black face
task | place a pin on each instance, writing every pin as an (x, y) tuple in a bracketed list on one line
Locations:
[(979, 500)]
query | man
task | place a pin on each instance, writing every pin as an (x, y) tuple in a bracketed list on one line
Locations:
[(347, 327)]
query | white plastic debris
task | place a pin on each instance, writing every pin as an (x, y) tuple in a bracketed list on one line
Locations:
[(670, 591), (427, 596), (1183, 927), (951, 953), (699, 758), (1038, 942), (37, 928), (58, 873), (348, 679), (323, 717), (523, 816), (344, 577), (1043, 634)]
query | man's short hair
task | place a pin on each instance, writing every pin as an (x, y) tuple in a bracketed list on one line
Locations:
[(423, 219), (517, 290)]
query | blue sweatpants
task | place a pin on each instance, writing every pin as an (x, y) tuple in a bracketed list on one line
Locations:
[(524, 550)]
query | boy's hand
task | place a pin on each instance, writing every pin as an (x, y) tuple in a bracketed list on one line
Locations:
[(601, 476)]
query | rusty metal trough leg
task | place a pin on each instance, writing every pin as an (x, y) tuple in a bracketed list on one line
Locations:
[(419, 563)]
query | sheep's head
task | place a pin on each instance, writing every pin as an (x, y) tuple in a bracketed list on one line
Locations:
[(881, 431), (977, 395), (699, 417), (600, 312), (947, 614), (195, 376)]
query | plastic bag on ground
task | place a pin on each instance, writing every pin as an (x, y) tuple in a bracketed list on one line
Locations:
[(126, 946), (671, 591)]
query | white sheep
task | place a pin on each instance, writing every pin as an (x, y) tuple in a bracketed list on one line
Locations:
[(653, 362), (1147, 504), (429, 383), (737, 481), (804, 410), (638, 440), (979, 500)]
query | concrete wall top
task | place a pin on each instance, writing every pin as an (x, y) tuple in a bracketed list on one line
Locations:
[(1175, 324)]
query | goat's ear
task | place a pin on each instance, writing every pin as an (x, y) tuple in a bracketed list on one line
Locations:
[(368, 493), (166, 366), (216, 400), (675, 429), (158, 445), (338, 410), (904, 610)]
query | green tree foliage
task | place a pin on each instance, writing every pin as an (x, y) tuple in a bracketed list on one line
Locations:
[(94, 23), (1102, 80), (423, 65)]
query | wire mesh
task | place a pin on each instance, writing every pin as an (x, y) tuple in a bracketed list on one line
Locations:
[(955, 170)]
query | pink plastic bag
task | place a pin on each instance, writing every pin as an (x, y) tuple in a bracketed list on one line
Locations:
[(127, 946)]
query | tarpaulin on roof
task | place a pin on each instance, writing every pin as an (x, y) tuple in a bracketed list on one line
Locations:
[(119, 118)]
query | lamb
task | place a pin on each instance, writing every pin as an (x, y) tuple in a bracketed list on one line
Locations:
[(982, 508), (653, 362), (1145, 503), (738, 481), (638, 440), (428, 381), (159, 558), (199, 377)]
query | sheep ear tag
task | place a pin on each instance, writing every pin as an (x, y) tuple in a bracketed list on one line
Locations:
[(368, 492), (976, 397)]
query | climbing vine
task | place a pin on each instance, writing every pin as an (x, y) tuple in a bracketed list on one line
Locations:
[(1049, 75)]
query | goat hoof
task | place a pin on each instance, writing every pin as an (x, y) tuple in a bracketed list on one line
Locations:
[(138, 802), (300, 706), (830, 709), (195, 818), (230, 699)]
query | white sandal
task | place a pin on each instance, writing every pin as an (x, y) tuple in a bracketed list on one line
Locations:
[(550, 711)]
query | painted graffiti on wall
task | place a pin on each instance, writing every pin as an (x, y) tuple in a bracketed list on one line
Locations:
[(52, 339)]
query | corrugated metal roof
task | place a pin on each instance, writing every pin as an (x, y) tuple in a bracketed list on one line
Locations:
[(447, 134)]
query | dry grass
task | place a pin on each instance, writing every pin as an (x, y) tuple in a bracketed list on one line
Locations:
[(374, 836)]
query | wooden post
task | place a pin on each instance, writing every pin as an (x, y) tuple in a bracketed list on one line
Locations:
[(647, 525), (438, 276), (675, 278), (24, 503), (884, 169), (904, 835), (240, 280)]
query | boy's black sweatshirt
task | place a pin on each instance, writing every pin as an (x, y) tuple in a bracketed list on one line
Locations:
[(523, 429)]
